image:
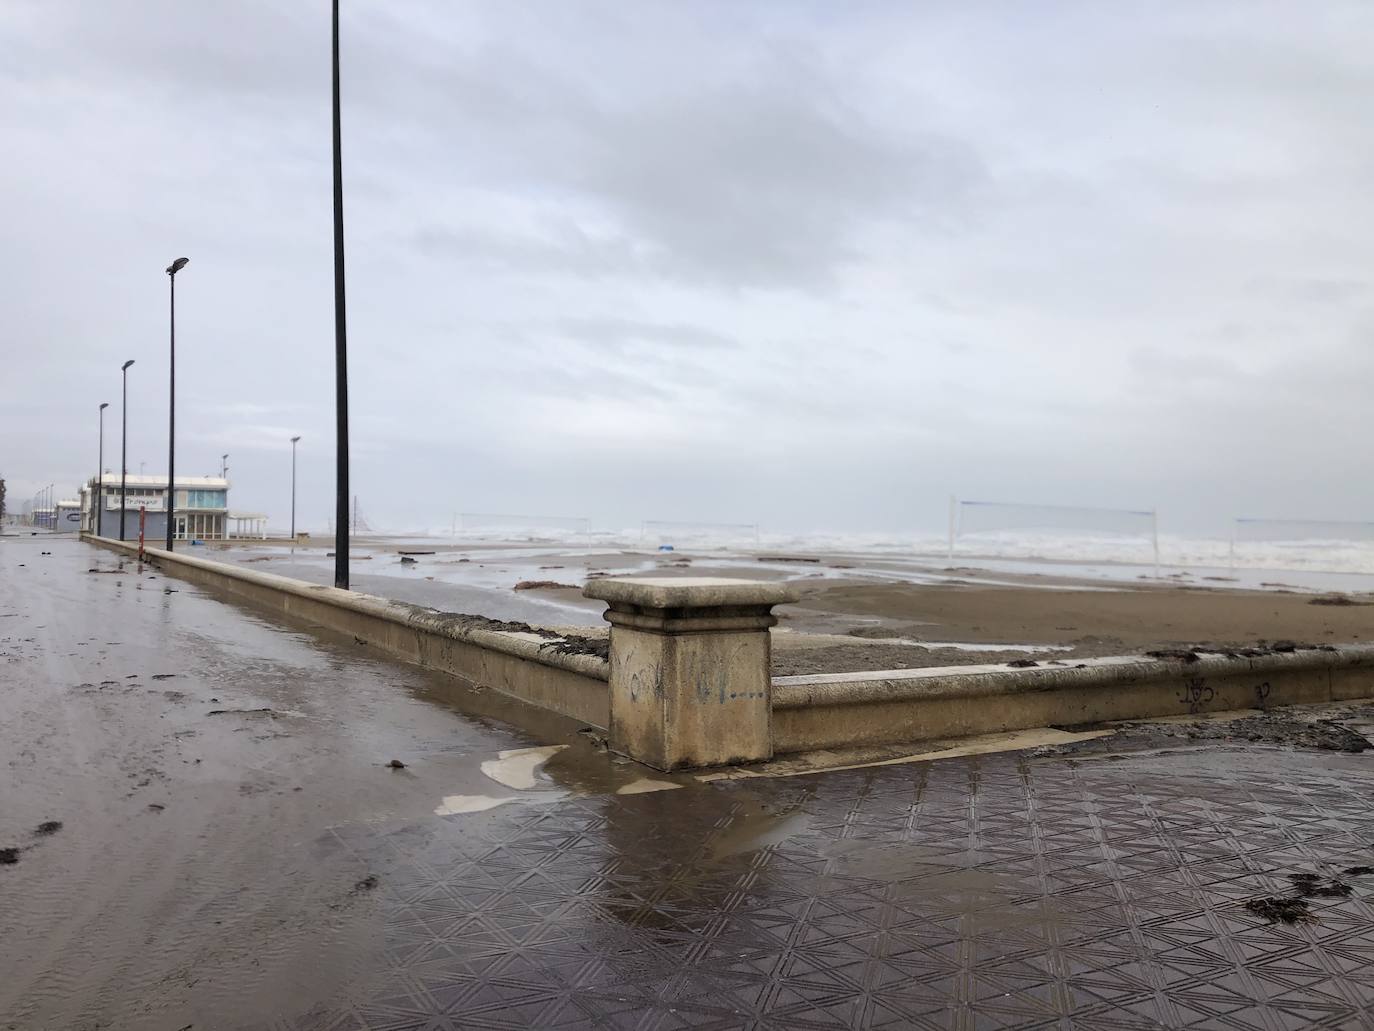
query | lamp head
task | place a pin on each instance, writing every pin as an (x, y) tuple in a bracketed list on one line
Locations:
[(104, 405), (294, 439), (125, 366), (177, 266)]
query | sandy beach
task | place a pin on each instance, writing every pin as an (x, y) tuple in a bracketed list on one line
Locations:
[(857, 612)]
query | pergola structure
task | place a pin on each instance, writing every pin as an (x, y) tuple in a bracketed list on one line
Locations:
[(248, 524)]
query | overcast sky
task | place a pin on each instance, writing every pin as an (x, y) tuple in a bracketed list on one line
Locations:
[(812, 265)]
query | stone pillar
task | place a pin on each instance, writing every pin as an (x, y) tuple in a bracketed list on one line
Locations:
[(691, 682)]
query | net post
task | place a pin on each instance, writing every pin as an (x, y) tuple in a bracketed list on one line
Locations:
[(1154, 535)]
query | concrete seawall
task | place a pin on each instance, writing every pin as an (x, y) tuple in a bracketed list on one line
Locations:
[(687, 684), (848, 709), (525, 666)]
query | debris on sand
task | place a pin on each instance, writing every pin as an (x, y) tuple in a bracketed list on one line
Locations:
[(366, 884), (1182, 654), (1336, 599), (163, 676), (576, 645), (242, 712), (1280, 910), (1278, 729), (597, 739), (785, 558), (404, 552), (1022, 663), (1358, 871), (396, 764), (462, 621), (543, 585), (156, 807), (9, 856), (406, 560), (874, 633), (48, 827)]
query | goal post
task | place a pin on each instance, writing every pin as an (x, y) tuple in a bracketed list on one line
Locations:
[(1008, 525)]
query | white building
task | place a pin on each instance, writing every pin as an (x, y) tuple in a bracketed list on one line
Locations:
[(199, 513)]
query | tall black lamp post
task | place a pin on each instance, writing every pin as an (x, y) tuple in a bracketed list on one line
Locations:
[(98, 504), (340, 343), (124, 445), (172, 271), (294, 442)]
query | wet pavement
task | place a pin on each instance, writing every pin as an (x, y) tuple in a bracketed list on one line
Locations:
[(236, 852)]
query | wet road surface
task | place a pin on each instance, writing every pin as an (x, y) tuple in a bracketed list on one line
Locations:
[(235, 852)]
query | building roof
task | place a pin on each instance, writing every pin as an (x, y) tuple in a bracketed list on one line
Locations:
[(155, 480)]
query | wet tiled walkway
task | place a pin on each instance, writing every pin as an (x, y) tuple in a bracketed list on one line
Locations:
[(1002, 891)]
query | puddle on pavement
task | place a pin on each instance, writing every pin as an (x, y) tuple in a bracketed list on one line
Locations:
[(518, 767), (456, 805), (756, 827), (551, 773), (645, 785)]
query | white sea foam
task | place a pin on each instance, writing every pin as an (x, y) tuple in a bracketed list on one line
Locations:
[(1202, 554)]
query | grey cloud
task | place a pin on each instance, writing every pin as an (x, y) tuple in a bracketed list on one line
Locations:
[(799, 263), (622, 334), (770, 185)]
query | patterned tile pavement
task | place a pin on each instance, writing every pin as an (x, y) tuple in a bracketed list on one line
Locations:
[(1003, 891)]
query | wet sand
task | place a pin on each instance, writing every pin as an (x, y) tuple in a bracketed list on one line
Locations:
[(857, 613), (1065, 623)]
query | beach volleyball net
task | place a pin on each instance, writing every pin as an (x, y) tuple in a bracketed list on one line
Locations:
[(1065, 532)]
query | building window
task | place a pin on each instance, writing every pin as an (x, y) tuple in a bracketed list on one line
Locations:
[(205, 499)]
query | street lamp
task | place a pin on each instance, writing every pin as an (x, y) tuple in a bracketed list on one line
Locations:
[(224, 467), (294, 441), (172, 271), (97, 508), (340, 341), (124, 445)]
